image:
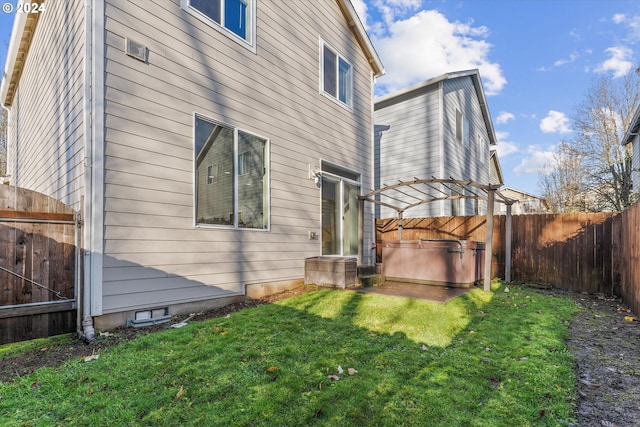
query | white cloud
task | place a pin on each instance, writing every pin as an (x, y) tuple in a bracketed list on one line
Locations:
[(573, 56), (633, 25), (504, 117), (619, 18), (555, 122), (620, 62), (427, 44), (361, 9), (504, 148), (538, 162)]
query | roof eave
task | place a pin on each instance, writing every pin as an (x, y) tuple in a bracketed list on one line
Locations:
[(24, 25), (363, 38), (634, 127)]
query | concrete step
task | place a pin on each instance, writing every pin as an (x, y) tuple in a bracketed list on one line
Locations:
[(371, 280)]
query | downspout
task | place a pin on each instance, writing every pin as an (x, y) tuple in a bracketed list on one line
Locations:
[(88, 332)]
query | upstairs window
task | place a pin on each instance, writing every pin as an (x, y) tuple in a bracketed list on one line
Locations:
[(337, 75), (482, 149), (235, 16), (462, 128)]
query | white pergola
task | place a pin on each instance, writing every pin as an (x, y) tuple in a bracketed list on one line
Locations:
[(405, 195)]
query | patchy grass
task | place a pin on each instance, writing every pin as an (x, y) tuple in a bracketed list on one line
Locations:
[(483, 359)]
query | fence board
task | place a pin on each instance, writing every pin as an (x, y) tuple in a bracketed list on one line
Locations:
[(37, 242)]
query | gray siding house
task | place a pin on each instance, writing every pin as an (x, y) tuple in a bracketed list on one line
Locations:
[(439, 128), (632, 136), (210, 146)]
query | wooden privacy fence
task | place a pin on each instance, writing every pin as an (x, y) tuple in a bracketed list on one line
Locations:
[(37, 265), (630, 257), (579, 252)]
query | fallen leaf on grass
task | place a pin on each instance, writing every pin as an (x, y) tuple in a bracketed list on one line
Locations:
[(340, 370), (629, 318), (90, 358), (180, 393), (352, 371), (43, 349), (272, 368), (334, 377)]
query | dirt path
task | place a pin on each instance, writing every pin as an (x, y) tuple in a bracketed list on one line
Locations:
[(607, 351)]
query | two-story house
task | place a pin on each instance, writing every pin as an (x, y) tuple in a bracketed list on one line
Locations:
[(439, 128), (211, 146)]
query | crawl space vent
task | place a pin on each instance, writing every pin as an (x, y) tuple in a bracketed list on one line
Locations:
[(136, 50), (149, 317)]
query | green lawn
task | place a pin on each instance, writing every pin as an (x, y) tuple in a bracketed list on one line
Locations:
[(483, 359)]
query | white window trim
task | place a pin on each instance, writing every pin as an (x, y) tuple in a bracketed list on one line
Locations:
[(339, 56), (481, 147), (267, 177), (248, 44)]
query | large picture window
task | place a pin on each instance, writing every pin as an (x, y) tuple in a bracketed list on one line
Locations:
[(235, 16), (337, 75), (231, 176)]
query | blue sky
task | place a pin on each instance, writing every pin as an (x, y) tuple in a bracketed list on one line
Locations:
[(537, 60)]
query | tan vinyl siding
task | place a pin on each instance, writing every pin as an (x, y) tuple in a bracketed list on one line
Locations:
[(47, 113), (154, 254)]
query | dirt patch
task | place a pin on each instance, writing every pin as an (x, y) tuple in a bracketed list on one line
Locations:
[(605, 339), (55, 355), (606, 347)]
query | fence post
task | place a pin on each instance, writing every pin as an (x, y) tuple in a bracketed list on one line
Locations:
[(507, 246), (488, 251)]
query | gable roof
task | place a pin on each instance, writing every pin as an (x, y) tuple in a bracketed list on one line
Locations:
[(361, 35), (25, 23), (634, 127), (426, 85)]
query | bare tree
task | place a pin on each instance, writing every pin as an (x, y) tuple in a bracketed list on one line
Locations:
[(563, 184), (600, 122)]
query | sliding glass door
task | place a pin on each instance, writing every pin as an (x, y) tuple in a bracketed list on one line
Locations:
[(340, 191)]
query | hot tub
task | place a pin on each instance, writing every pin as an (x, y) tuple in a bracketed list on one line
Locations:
[(457, 263)]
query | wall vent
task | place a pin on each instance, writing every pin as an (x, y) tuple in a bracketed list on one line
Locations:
[(135, 50)]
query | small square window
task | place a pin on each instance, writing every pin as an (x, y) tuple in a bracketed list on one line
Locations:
[(337, 75)]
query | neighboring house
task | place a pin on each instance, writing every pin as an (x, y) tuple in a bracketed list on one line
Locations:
[(632, 136), (209, 153), (524, 203), (439, 128), (495, 170)]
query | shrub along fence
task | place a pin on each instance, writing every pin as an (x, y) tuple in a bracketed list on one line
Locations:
[(579, 252)]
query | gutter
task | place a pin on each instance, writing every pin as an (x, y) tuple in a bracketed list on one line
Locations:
[(12, 54), (88, 332)]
